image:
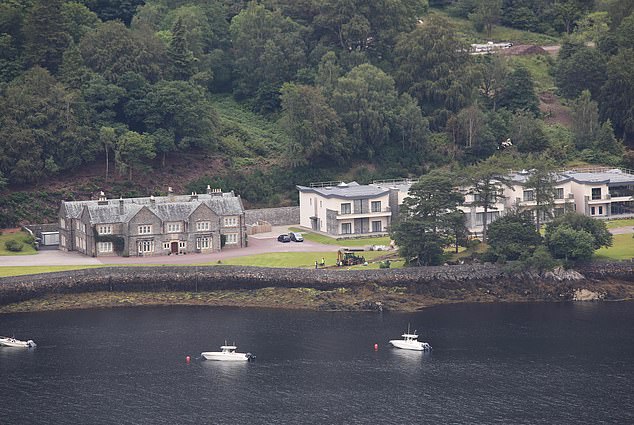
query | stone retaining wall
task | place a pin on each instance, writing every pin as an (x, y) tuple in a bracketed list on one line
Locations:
[(434, 281), (283, 216)]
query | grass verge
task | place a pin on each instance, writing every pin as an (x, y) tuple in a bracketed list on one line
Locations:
[(622, 248), (326, 240), (21, 237)]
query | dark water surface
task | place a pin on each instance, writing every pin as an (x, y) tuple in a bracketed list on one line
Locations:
[(504, 363)]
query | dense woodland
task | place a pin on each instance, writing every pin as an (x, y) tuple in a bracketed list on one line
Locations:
[(272, 93)]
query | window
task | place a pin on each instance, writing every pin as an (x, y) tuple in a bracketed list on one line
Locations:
[(559, 212), (529, 195), (592, 211), (375, 206), (62, 223), (596, 193), (491, 217), (346, 228), (77, 225), (232, 238), (202, 226), (203, 243), (104, 229), (166, 245), (146, 246), (145, 229), (559, 193), (104, 246), (63, 240), (182, 244), (346, 208), (231, 221), (173, 227), (600, 210), (376, 226)]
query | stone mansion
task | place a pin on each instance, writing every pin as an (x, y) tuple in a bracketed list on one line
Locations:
[(161, 225)]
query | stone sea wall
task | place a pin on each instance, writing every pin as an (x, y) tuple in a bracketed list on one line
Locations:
[(448, 282)]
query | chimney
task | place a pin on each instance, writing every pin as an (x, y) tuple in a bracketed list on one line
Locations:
[(216, 192), (193, 197), (121, 209), (208, 190), (170, 193), (152, 201), (102, 199)]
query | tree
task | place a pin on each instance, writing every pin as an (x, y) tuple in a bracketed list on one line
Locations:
[(424, 227), (513, 236), (585, 119), (132, 150), (584, 69), (108, 139), (617, 94), (541, 181), (494, 72), (596, 228), (570, 244), (434, 67), (485, 181), (316, 131), (268, 50), (45, 35), (456, 223), (114, 9), (518, 93), (527, 133), (181, 58), (486, 15)]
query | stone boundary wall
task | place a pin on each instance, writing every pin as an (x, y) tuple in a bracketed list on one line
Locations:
[(281, 216), (433, 281)]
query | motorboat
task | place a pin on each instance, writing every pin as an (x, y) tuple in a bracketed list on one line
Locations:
[(12, 342), (410, 342), (227, 353)]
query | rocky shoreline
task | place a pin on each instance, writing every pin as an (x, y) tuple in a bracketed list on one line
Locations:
[(405, 289)]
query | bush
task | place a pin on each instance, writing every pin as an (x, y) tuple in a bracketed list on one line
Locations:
[(13, 245)]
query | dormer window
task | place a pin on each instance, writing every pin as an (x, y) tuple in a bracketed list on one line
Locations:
[(104, 229), (202, 226), (231, 221)]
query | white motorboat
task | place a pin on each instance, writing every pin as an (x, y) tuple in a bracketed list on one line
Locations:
[(12, 342), (227, 353), (410, 342)]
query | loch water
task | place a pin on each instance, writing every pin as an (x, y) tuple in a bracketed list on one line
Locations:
[(559, 363)]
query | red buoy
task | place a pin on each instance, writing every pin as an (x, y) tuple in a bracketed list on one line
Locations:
[(187, 359), (376, 347)]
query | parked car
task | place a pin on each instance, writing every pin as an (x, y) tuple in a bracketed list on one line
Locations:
[(297, 237), (284, 238)]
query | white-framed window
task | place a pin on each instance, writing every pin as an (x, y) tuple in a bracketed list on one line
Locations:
[(491, 217), (375, 206), (600, 210), (146, 246), (166, 245), (173, 227), (376, 226), (77, 225), (104, 246), (104, 229), (203, 242), (201, 226), (232, 238), (346, 228), (182, 244), (231, 221), (529, 195), (592, 211), (596, 193), (62, 223), (145, 229), (346, 208), (559, 193), (62, 240)]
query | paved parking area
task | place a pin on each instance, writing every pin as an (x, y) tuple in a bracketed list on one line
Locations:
[(258, 244)]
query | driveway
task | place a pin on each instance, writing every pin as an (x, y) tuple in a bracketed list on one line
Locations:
[(258, 244), (622, 230)]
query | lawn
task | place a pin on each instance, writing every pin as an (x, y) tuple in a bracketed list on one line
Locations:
[(294, 259), (326, 240), (612, 224), (622, 249), (24, 270), (22, 237)]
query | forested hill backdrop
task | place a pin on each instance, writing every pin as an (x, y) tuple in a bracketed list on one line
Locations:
[(132, 96)]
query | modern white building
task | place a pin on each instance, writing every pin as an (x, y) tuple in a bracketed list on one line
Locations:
[(338, 208)]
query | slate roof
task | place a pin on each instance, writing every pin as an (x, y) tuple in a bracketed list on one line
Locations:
[(521, 177), (613, 176), (167, 208), (352, 190)]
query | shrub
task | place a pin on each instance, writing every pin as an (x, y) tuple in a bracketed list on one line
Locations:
[(13, 245)]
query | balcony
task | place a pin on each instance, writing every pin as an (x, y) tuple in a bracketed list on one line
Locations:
[(383, 212)]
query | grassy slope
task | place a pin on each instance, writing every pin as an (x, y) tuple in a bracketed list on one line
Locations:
[(622, 249)]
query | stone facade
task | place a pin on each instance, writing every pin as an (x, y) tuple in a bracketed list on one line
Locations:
[(154, 225)]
